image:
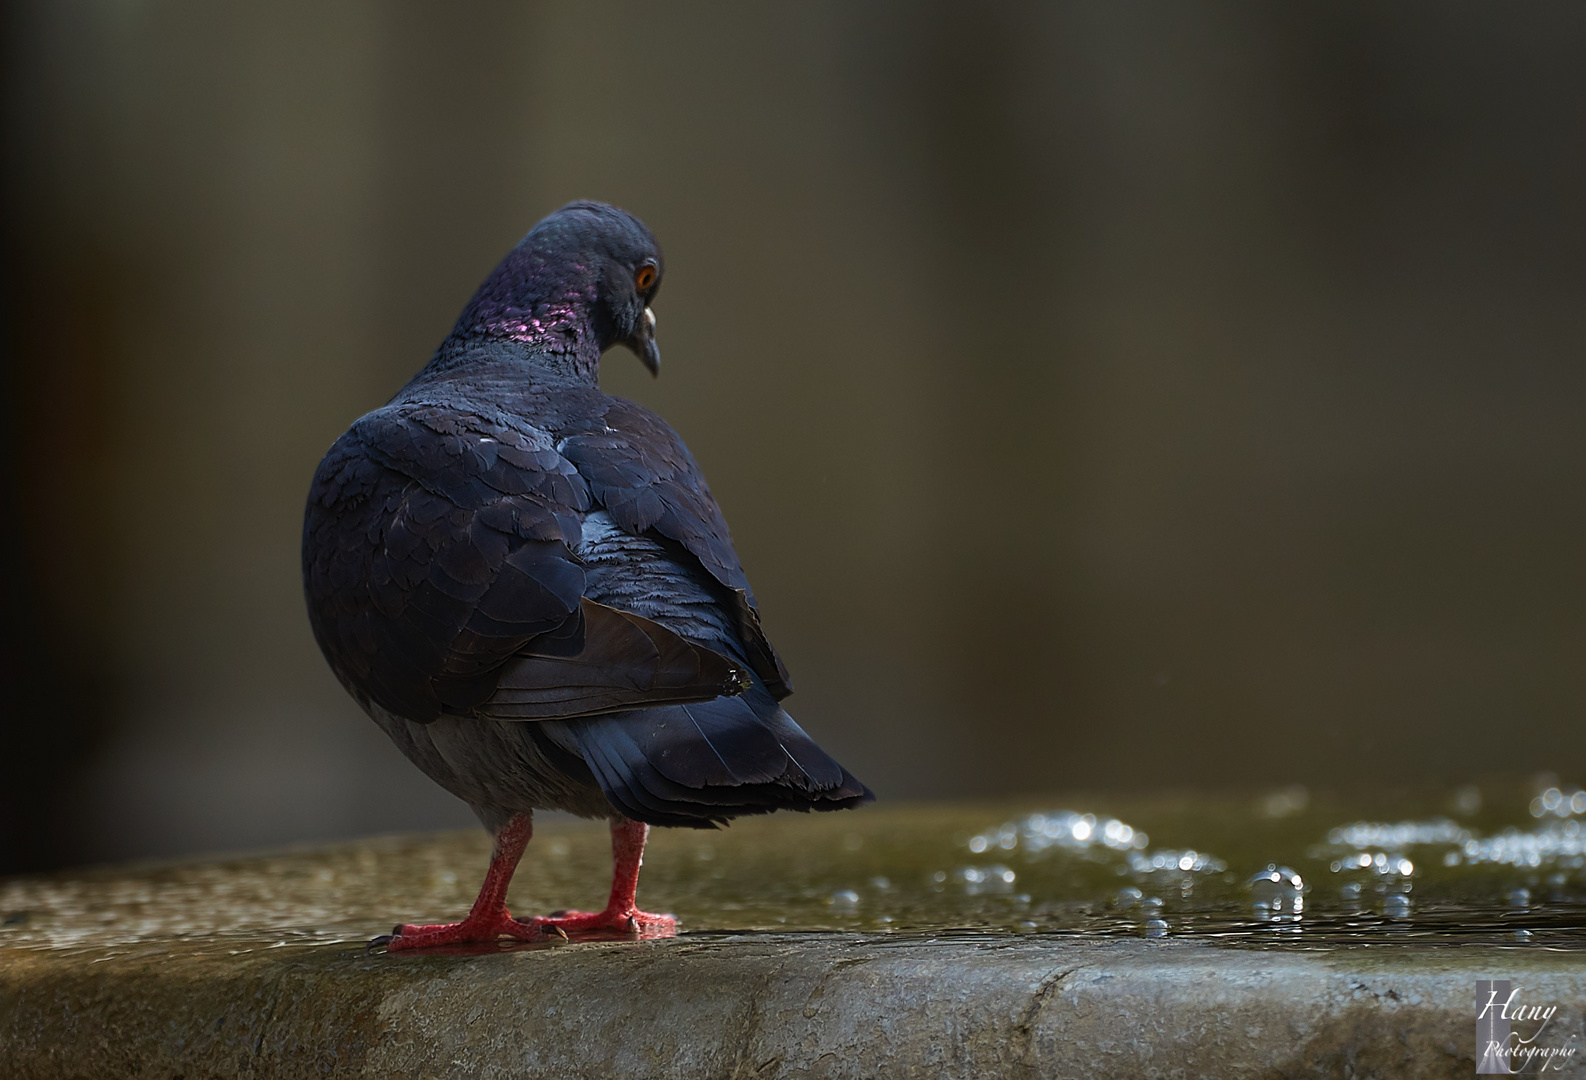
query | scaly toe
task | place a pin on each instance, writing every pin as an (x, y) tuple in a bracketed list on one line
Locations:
[(473, 931), (642, 923)]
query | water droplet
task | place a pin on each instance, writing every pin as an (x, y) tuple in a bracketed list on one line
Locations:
[(1156, 928), (844, 898), (1276, 889), (1397, 836), (978, 879), (1276, 878), (1185, 862)]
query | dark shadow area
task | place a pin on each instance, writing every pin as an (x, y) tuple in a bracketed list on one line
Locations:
[(54, 687)]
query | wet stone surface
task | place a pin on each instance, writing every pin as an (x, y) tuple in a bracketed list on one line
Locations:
[(1282, 935)]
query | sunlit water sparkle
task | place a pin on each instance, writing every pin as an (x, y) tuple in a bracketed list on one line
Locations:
[(1281, 869)]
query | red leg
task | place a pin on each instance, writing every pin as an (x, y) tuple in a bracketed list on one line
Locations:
[(622, 914), (489, 918)]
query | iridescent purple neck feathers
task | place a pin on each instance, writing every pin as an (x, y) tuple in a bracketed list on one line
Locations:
[(548, 307), (566, 292)]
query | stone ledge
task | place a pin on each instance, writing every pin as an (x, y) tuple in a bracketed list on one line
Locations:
[(818, 1005), (253, 966)]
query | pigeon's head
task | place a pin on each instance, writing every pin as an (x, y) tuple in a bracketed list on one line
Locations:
[(579, 283)]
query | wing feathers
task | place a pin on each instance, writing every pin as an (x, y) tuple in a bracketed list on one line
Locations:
[(626, 662), (640, 471)]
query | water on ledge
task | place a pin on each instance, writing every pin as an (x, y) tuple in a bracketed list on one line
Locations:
[(1502, 865)]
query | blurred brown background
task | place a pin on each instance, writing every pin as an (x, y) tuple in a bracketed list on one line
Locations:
[(1115, 395)]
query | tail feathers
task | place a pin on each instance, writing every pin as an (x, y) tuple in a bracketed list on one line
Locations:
[(700, 764)]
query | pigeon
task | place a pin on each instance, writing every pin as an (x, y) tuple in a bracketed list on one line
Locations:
[(526, 583)]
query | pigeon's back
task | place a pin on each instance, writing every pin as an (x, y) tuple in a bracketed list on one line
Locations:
[(528, 583)]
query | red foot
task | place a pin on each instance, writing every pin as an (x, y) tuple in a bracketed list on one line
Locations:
[(474, 930), (614, 920), (489, 919)]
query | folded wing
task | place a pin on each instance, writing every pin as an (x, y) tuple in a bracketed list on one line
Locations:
[(625, 661)]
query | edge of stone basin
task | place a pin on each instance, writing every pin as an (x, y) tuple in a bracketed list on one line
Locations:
[(819, 1005)]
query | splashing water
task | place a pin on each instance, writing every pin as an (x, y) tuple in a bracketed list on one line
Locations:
[(1283, 871)]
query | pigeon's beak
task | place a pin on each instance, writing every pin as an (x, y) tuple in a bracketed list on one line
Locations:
[(643, 343)]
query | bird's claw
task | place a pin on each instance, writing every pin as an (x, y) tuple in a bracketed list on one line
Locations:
[(639, 923)]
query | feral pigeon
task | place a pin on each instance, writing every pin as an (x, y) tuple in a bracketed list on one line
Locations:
[(528, 586)]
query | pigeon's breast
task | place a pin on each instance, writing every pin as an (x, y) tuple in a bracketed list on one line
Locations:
[(653, 578)]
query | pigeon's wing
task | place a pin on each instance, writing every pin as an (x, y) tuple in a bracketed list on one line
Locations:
[(623, 660), (437, 564), (640, 471)]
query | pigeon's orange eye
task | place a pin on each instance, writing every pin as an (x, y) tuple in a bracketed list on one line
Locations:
[(644, 278)]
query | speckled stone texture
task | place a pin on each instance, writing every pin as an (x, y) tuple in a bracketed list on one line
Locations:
[(822, 1005)]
